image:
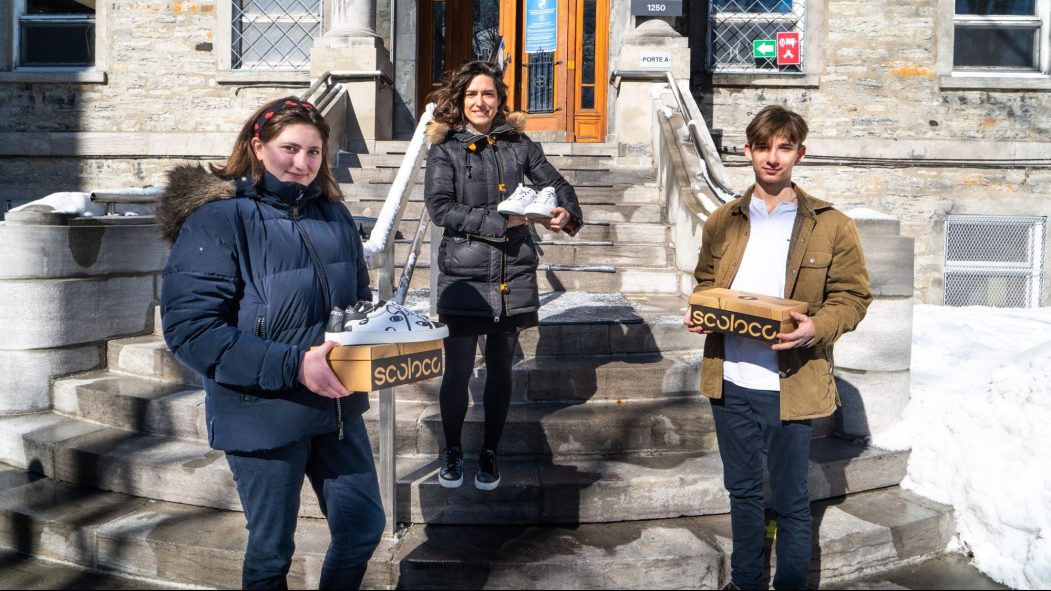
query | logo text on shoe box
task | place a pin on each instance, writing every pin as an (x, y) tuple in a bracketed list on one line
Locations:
[(744, 314), (736, 323), (405, 369)]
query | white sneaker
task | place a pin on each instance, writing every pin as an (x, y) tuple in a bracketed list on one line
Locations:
[(385, 322), (540, 208), (517, 203)]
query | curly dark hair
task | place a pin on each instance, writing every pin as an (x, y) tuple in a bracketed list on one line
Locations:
[(449, 98)]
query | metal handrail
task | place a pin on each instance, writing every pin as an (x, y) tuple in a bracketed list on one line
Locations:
[(713, 171)]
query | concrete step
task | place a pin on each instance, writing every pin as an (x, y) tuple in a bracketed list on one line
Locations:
[(854, 535), (533, 491), (355, 193), (583, 161), (574, 176), (600, 212), (148, 356), (550, 148), (569, 252), (590, 278)]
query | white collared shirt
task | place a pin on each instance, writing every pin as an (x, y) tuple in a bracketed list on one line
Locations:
[(750, 363)]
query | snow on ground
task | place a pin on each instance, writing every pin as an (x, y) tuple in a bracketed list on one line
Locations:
[(978, 424)]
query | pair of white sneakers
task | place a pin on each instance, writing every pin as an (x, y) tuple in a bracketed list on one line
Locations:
[(532, 204), (384, 322)]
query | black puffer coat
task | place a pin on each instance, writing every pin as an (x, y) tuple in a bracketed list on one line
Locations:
[(478, 252)]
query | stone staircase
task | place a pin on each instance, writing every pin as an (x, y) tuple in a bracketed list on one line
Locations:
[(611, 476)]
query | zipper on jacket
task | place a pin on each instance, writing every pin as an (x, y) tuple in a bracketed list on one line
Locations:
[(502, 187), (339, 418), (260, 324)]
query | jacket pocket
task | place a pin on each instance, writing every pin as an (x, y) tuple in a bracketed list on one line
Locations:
[(464, 257), (813, 272)]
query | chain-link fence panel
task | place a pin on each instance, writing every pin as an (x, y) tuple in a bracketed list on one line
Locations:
[(994, 260), (274, 34), (738, 32)]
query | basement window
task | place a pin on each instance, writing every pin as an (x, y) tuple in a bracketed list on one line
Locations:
[(743, 36), (1002, 35), (56, 33), (994, 260), (274, 35)]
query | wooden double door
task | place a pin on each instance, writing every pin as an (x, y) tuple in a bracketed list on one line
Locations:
[(556, 54)]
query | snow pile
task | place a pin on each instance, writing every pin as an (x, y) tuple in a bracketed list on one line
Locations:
[(977, 425), (80, 204)]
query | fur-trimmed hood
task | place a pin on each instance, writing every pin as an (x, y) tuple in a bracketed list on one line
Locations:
[(189, 187), (514, 121)]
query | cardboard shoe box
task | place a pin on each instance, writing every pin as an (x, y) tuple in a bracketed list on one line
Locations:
[(365, 368), (750, 315)]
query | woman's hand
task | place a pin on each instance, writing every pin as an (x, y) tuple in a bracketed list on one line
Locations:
[(317, 376), (516, 220), (559, 219)]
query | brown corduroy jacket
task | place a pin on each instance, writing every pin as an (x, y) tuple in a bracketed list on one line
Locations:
[(825, 269)]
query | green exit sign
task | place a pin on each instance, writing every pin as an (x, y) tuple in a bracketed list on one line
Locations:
[(765, 48)]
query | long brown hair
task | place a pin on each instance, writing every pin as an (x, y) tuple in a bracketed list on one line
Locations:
[(449, 98), (242, 160)]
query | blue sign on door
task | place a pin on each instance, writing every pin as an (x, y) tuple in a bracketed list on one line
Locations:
[(541, 28)]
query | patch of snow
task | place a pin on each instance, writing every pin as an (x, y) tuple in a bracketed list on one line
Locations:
[(976, 423), (65, 202), (864, 213)]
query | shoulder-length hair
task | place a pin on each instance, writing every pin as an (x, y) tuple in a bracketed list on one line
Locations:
[(242, 160), (449, 98)]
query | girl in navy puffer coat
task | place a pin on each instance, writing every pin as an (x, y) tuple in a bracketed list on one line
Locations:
[(263, 248)]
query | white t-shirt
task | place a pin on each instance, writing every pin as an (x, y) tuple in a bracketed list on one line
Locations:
[(750, 363)]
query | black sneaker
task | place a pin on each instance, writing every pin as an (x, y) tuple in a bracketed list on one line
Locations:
[(451, 474), (488, 476)]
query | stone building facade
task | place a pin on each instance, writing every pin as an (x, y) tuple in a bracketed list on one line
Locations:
[(897, 124)]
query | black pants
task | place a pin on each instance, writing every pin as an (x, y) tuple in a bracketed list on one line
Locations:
[(496, 398)]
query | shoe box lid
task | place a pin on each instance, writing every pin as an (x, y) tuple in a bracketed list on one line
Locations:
[(744, 314), (364, 368)]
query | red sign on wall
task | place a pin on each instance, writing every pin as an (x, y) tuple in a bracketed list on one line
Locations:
[(788, 49)]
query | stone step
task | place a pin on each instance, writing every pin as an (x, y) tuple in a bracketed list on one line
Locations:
[(355, 193), (550, 148), (186, 545), (561, 162), (148, 356), (600, 212), (570, 252), (590, 278), (533, 491), (574, 176)]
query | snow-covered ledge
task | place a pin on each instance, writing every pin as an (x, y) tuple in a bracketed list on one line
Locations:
[(70, 278)]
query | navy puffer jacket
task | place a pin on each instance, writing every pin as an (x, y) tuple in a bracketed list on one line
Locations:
[(250, 280)]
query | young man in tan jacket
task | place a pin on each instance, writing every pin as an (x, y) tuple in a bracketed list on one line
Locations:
[(776, 240)]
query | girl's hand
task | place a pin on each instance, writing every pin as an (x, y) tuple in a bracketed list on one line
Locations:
[(316, 374), (559, 219)]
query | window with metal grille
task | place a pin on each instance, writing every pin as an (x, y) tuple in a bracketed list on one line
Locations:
[(994, 260), (56, 33), (1004, 35), (738, 30), (541, 68), (274, 34)]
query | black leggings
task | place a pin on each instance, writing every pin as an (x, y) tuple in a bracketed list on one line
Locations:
[(459, 365)]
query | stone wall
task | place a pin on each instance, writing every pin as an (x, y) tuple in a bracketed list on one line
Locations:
[(880, 93)]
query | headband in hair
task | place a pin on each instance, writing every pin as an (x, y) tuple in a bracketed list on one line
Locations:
[(263, 118)]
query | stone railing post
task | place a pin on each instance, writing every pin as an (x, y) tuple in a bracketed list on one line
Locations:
[(872, 363), (66, 286), (350, 43)]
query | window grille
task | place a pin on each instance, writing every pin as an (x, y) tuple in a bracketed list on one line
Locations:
[(541, 68), (274, 34), (733, 25), (994, 261)]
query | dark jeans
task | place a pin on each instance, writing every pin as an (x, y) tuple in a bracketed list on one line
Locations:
[(748, 426), (342, 473)]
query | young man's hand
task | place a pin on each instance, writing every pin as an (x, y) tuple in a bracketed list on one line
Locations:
[(690, 326), (802, 336), (316, 374)]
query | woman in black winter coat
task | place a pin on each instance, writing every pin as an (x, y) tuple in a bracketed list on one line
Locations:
[(263, 247), (487, 261)]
